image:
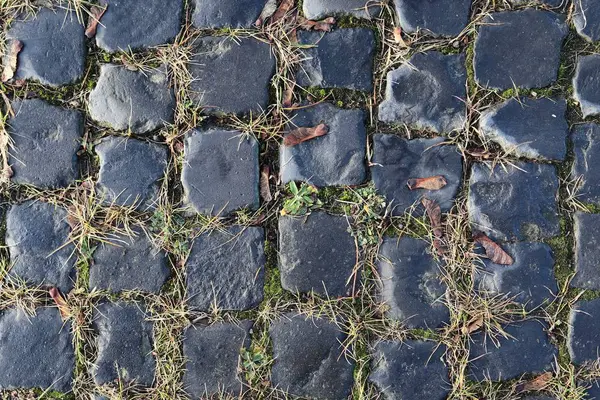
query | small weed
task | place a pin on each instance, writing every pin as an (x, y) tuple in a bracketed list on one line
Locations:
[(302, 199)]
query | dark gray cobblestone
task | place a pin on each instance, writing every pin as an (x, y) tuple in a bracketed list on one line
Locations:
[(320, 9), (226, 13), (445, 18), (586, 228), (584, 340), (586, 18), (585, 84), (586, 148)]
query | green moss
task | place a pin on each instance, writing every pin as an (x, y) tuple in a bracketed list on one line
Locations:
[(273, 288), (424, 334)]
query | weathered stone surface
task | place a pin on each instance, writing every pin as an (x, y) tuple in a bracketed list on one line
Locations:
[(534, 128), (134, 24), (396, 160), (525, 350), (226, 13), (427, 92), (410, 370), (337, 158), (36, 352), (54, 47), (124, 344), (339, 59), (129, 263), (35, 235), (586, 148), (530, 280), (320, 9), (45, 141), (586, 84), (587, 251), (212, 358), (514, 203), (411, 283), (220, 171), (583, 339), (221, 66), (519, 49), (316, 253), (587, 19), (131, 171), (445, 18), (549, 3), (226, 269), (309, 358), (593, 391), (132, 101)]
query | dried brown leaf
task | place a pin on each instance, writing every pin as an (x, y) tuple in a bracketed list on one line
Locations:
[(324, 25), (61, 303), (11, 60), (265, 189), (434, 213), (288, 95), (431, 183), (536, 384), (284, 7), (492, 250), (473, 325), (96, 14), (303, 134)]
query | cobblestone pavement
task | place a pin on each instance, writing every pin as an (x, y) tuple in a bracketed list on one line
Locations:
[(316, 199)]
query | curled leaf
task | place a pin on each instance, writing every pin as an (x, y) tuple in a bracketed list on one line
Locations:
[(431, 183), (288, 95), (265, 190), (303, 134), (61, 303), (324, 25), (96, 14), (284, 7), (473, 325), (11, 60), (434, 213), (492, 250), (536, 384)]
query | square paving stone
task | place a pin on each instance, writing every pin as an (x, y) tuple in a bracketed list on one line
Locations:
[(587, 19), (226, 269), (441, 18), (396, 160), (35, 352), (131, 171), (427, 92), (221, 66), (320, 9), (220, 171), (226, 13), (586, 84), (519, 49), (586, 148), (36, 236), (337, 158), (530, 280), (45, 141), (526, 350), (411, 283), (339, 59), (212, 356), (132, 101), (411, 370), (134, 24), (309, 358), (583, 339), (129, 263), (587, 251), (514, 202), (124, 344), (534, 128), (54, 47), (316, 253)]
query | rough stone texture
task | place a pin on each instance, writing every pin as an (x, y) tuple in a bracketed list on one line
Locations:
[(45, 144), (530, 280), (131, 171), (212, 357), (534, 128), (54, 47), (587, 251), (519, 48), (36, 352), (220, 171), (410, 370), (221, 66), (586, 84), (133, 24), (396, 160), (583, 339), (549, 3), (337, 158), (316, 253), (226, 269), (134, 101), (586, 148), (129, 263), (514, 203), (226, 13), (124, 342), (526, 350), (35, 231), (339, 59), (309, 358), (587, 19), (411, 283), (593, 391), (320, 9), (427, 92), (445, 18)]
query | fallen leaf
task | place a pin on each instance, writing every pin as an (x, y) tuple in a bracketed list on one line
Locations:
[(284, 7), (536, 384), (492, 250), (11, 60), (303, 134), (324, 25), (472, 326), (61, 303), (96, 14), (431, 183), (265, 189), (288, 95), (434, 213)]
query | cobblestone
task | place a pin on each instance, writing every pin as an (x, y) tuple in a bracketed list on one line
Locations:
[(585, 85), (586, 18), (320, 9), (586, 138), (446, 18), (226, 13), (583, 340)]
